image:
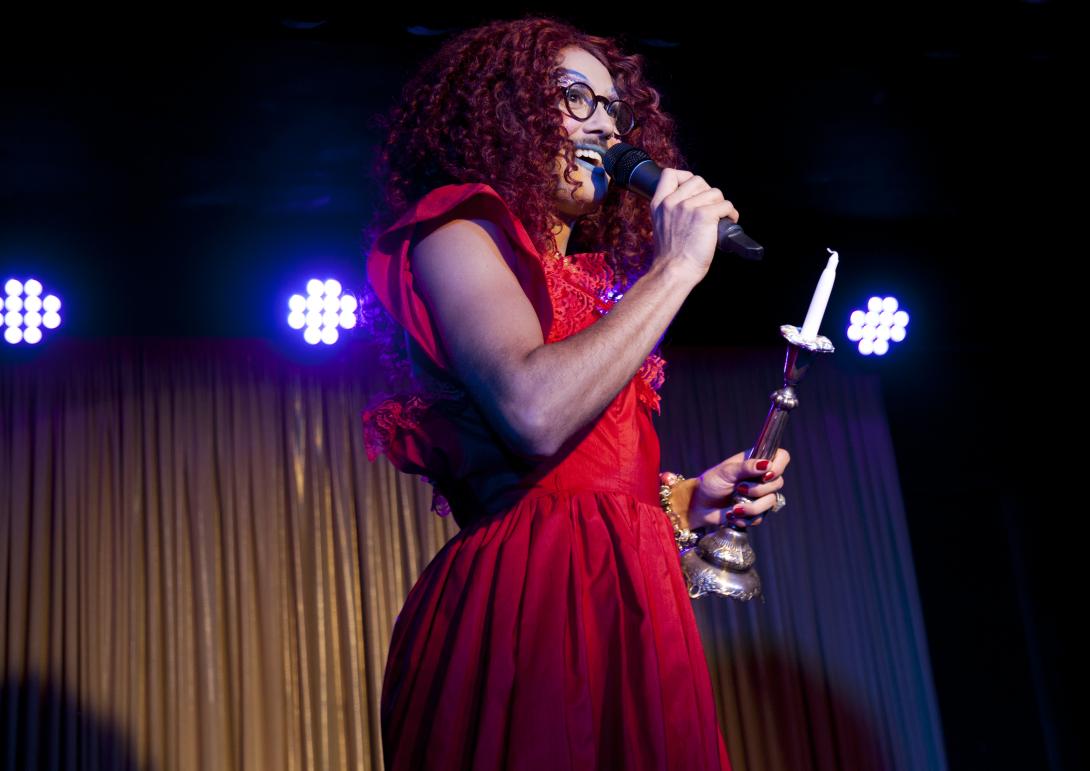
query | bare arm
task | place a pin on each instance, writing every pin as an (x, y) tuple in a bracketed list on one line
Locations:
[(575, 379), (537, 395)]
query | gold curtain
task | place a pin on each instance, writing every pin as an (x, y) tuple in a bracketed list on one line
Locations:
[(199, 568)]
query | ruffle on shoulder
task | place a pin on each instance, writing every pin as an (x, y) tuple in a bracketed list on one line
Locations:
[(390, 274)]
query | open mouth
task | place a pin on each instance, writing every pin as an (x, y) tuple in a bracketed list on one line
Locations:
[(590, 157)]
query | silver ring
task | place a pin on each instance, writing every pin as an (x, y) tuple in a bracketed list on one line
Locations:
[(781, 501)]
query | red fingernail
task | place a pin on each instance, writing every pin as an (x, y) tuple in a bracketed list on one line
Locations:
[(739, 509), (762, 465), (768, 476)]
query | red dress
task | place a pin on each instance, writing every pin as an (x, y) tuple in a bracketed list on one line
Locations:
[(554, 631)]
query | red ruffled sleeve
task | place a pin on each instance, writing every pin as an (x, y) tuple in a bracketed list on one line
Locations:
[(390, 273), (415, 430)]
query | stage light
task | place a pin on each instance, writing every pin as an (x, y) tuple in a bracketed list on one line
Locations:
[(323, 312), (22, 308), (873, 330)]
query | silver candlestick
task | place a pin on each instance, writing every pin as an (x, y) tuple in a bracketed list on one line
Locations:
[(721, 562)]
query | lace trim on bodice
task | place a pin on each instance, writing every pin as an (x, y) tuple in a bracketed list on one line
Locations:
[(583, 289)]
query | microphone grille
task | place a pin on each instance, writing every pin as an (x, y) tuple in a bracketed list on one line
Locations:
[(621, 159)]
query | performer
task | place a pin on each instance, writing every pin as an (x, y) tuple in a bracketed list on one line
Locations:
[(554, 631)]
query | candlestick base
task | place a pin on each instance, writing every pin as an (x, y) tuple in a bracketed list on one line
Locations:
[(722, 563)]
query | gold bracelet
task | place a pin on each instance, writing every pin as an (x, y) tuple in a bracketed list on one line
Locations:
[(683, 536)]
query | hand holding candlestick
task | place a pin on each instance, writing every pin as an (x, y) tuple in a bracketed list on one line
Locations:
[(722, 561)]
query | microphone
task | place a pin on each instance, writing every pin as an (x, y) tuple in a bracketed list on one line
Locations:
[(633, 169)]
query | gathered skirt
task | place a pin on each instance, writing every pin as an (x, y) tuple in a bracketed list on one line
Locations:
[(555, 635)]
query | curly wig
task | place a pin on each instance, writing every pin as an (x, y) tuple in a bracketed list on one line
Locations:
[(484, 109)]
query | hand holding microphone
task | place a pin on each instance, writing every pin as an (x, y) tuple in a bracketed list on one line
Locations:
[(690, 217)]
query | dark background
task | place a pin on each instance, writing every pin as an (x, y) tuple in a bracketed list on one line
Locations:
[(181, 176)]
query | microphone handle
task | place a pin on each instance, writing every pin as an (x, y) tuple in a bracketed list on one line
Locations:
[(734, 240)]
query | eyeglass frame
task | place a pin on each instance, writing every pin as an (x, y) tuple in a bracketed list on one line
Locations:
[(565, 83)]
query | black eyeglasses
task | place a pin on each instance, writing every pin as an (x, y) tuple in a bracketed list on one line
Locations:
[(580, 102)]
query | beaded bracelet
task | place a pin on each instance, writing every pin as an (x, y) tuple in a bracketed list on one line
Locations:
[(683, 536)]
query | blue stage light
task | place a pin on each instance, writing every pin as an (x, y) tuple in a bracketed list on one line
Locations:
[(322, 312), (23, 305), (873, 330)]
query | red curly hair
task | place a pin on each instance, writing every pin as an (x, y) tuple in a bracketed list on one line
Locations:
[(484, 109)]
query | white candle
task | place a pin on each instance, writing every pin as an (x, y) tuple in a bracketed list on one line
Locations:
[(820, 298)]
